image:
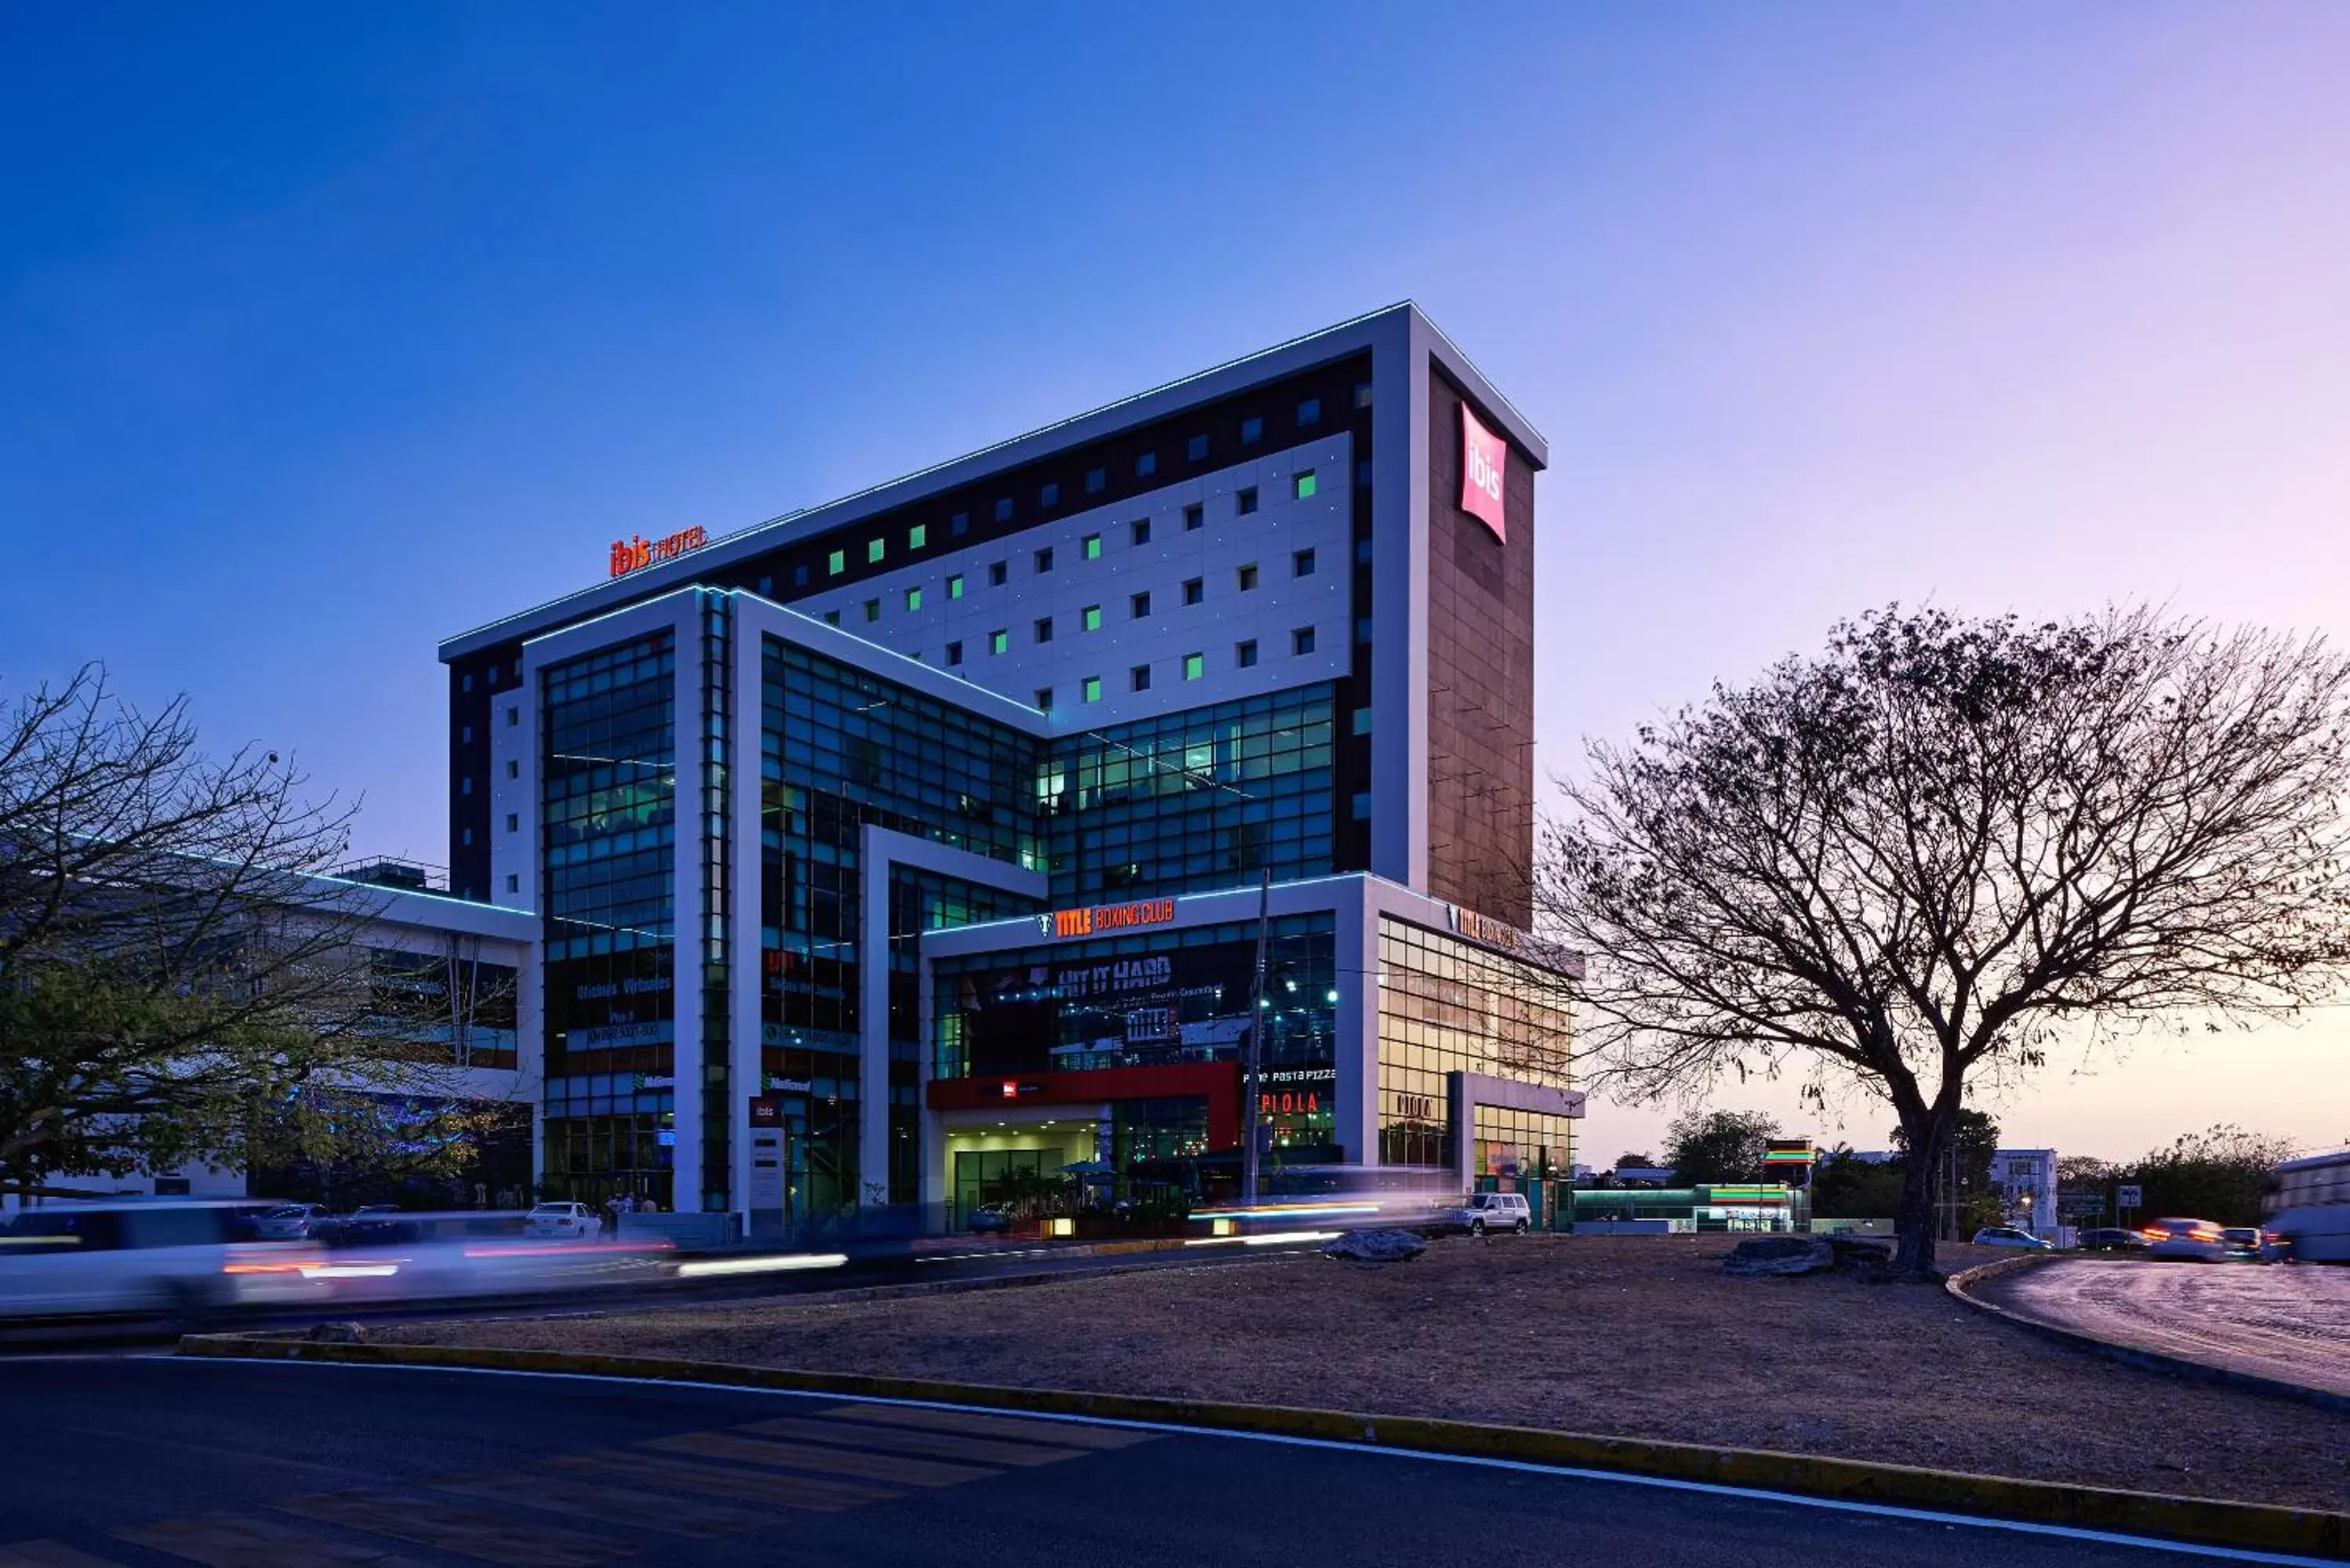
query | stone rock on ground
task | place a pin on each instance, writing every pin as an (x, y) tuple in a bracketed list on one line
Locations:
[(1767, 1256), (1374, 1247), (337, 1333)]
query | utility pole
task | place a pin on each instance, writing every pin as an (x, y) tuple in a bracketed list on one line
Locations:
[(1250, 1074)]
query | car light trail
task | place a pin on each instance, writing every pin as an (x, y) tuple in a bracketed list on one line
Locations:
[(761, 1265)]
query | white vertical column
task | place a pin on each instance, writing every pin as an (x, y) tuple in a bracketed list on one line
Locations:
[(1355, 956)]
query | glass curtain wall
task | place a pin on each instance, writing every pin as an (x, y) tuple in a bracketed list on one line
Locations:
[(1447, 1006)]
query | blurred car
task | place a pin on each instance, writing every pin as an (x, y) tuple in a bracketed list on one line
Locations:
[(368, 1224), (75, 1258), (991, 1219), (569, 1221), (287, 1221), (2109, 1238), (2199, 1240), (2009, 1236), (2251, 1244)]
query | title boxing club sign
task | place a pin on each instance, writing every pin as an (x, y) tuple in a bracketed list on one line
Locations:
[(1103, 918), (634, 554)]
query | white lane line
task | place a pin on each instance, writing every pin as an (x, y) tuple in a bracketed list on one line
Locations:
[(1709, 1488)]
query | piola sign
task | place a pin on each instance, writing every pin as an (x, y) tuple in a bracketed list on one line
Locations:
[(634, 554)]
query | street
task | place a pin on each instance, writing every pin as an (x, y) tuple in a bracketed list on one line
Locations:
[(2289, 1323), (157, 1461)]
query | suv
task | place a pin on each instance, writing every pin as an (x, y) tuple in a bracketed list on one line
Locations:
[(575, 1220), (1494, 1211)]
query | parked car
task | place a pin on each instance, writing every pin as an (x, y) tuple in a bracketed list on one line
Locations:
[(1494, 1211), (2110, 1238), (571, 1221), (369, 1224), (991, 1219), (2010, 1236), (2199, 1240), (287, 1221), (137, 1257)]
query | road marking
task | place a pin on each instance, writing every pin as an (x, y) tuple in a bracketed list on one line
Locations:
[(1615, 1478), (240, 1541), (895, 1440), (1021, 1427), (50, 1554), (718, 1480), (493, 1537), (692, 1518), (885, 1468)]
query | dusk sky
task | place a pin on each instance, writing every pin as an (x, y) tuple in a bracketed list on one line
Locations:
[(325, 332)]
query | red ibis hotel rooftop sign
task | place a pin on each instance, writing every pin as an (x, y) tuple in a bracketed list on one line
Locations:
[(1105, 918), (1484, 459), (635, 553)]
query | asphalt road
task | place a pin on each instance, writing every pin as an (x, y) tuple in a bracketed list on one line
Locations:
[(157, 1462), (2290, 1323)]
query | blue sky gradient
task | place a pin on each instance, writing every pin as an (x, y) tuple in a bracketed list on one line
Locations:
[(329, 331)]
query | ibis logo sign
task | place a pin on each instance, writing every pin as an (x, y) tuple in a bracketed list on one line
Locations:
[(1484, 460), (634, 554)]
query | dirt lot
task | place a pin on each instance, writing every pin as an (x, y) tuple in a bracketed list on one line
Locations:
[(1626, 1335)]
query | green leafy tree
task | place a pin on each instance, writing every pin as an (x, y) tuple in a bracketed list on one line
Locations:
[(1706, 1146), (1927, 856), (2218, 1173), (1845, 1187)]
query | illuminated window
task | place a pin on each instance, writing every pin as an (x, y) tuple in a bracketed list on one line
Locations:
[(1093, 618), (1244, 499), (1093, 547), (913, 598), (1245, 654), (840, 563), (1304, 484), (954, 586), (875, 549), (1194, 666), (1093, 688), (999, 642), (1362, 720), (918, 535)]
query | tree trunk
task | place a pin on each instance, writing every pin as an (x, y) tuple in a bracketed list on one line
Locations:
[(1929, 1130)]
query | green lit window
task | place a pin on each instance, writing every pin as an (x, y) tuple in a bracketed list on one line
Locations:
[(875, 549), (999, 642), (913, 598), (1194, 666), (920, 533), (954, 586), (839, 562), (1305, 484), (1093, 547), (1093, 618), (1093, 688)]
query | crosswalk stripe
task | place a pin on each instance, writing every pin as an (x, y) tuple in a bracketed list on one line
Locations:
[(930, 1445), (243, 1541), (718, 1481), (50, 1554), (828, 1461), (1018, 1428), (693, 1517), (491, 1537)]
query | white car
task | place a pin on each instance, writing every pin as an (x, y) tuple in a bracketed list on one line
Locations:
[(140, 1257), (2198, 1240), (2009, 1236), (1494, 1211), (571, 1221)]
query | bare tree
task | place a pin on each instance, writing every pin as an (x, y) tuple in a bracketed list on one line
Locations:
[(1922, 858), (173, 966)]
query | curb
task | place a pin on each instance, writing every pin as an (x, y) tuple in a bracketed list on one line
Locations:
[(2250, 1526), (1961, 1285)]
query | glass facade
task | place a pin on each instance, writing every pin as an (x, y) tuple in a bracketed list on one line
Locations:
[(1449, 1006)]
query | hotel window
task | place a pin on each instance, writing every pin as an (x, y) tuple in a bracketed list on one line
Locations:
[(1362, 394), (1045, 559), (1247, 575), (840, 563), (1194, 666), (1044, 629), (514, 716), (1093, 618), (1146, 465), (1138, 677), (1363, 552), (918, 535), (799, 576), (1363, 474), (959, 524), (1093, 688), (875, 549), (1195, 517), (954, 586), (1194, 589), (1244, 499), (872, 611), (1044, 699), (766, 587), (1251, 431), (1048, 495), (1245, 654), (1141, 529), (1003, 510), (1096, 481), (999, 642), (1196, 449), (1304, 486), (466, 837), (1301, 564), (1309, 412), (1360, 806), (1301, 641), (1363, 630), (1139, 606), (514, 769), (465, 785), (955, 653), (1362, 720), (998, 573), (465, 734), (466, 682), (913, 598), (513, 884), (513, 822), (1093, 547), (832, 617)]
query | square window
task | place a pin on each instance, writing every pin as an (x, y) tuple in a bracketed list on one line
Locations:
[(1301, 564), (918, 535), (913, 598), (1245, 654), (1362, 394), (1251, 431), (1044, 699), (1309, 412), (839, 562), (1048, 495), (998, 573), (1196, 449), (1142, 530), (1247, 575), (1093, 547), (1138, 677), (799, 576), (1194, 589), (954, 586), (1194, 666), (1093, 618), (955, 653), (1003, 510), (832, 617), (1139, 606), (959, 524), (1044, 629), (1093, 688), (1195, 517), (875, 549), (1044, 560), (872, 611), (1303, 485), (999, 642), (1146, 465), (1096, 481), (1244, 499), (1301, 641)]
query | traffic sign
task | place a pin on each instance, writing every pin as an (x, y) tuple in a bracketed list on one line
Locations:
[(2132, 1196)]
